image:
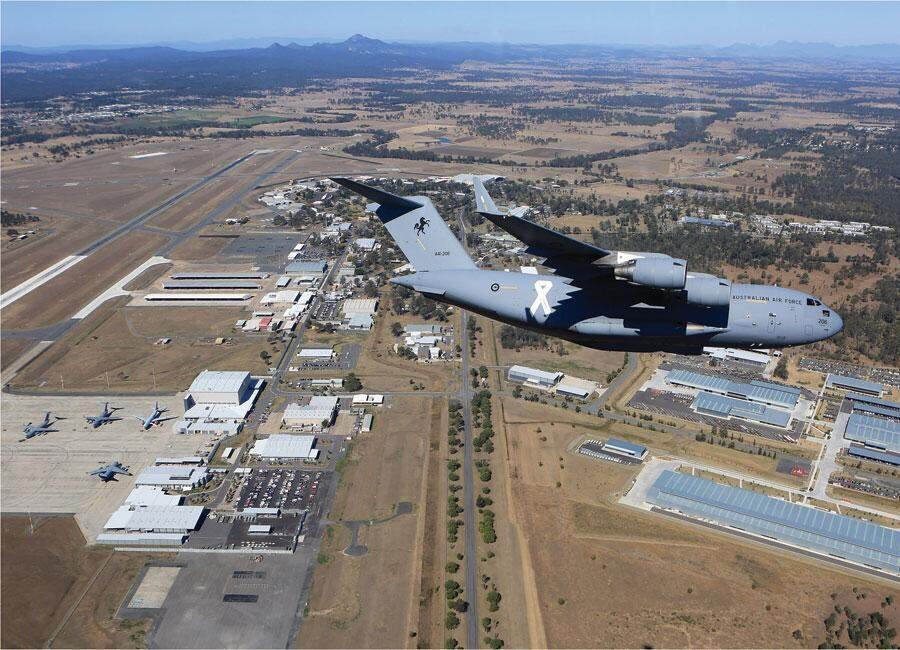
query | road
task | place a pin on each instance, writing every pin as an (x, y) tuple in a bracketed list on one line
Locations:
[(465, 395)]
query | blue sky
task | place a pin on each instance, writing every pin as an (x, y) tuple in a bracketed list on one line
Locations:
[(714, 23)]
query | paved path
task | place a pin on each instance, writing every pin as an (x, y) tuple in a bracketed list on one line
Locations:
[(38, 279)]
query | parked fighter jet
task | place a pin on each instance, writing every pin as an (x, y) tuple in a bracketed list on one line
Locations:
[(106, 415), (604, 299), (31, 430), (152, 419), (108, 472)]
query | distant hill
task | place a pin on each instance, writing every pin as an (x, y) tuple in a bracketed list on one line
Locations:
[(34, 75)]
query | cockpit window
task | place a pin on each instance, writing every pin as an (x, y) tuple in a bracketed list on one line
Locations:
[(826, 312), (810, 302)]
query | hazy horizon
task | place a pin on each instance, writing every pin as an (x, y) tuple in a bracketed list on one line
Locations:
[(676, 24)]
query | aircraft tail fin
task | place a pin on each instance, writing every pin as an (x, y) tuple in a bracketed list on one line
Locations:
[(483, 201), (418, 229)]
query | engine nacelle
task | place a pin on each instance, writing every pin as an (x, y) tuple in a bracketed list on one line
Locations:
[(658, 272), (707, 290)]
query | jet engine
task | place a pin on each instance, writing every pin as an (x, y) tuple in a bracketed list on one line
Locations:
[(707, 290), (659, 272)]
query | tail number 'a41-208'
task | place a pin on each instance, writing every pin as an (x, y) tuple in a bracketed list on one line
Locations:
[(441, 253)]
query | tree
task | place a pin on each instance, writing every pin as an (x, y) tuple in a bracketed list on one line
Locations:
[(493, 598), (396, 329), (451, 621), (279, 220), (352, 382), (781, 370)]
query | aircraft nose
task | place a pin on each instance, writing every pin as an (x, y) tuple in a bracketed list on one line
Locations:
[(837, 322)]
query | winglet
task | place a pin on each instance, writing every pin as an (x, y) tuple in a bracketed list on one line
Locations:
[(484, 204), (378, 196)]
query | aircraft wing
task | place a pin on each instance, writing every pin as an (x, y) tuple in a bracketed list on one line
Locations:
[(541, 241), (96, 472)]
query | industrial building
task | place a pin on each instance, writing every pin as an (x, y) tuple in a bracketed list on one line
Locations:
[(359, 323), (364, 399), (220, 387), (570, 386), (618, 451), (182, 285), (173, 477), (808, 528), (284, 446), (873, 432), (365, 243), (727, 407), (761, 392), (319, 411), (198, 297), (862, 386), (155, 525), (366, 306), (877, 455), (223, 275), (533, 377), (874, 405), (422, 329), (315, 268), (752, 357), (316, 353), (147, 495), (285, 296)]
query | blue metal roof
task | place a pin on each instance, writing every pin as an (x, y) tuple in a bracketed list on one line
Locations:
[(874, 454), (852, 382), (858, 398), (755, 391), (875, 410), (876, 432), (627, 446), (730, 406), (807, 527)]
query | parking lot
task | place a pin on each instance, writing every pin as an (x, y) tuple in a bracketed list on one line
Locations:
[(287, 489), (269, 252), (890, 376), (327, 310)]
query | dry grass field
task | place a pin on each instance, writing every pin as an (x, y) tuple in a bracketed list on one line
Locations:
[(647, 579), (47, 580), (200, 248), (64, 295), (121, 342), (372, 600)]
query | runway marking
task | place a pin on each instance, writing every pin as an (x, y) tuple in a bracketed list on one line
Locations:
[(38, 279)]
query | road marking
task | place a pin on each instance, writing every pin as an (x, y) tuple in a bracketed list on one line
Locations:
[(37, 280)]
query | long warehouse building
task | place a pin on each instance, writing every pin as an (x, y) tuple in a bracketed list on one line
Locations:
[(181, 285), (761, 392), (873, 432), (198, 297), (808, 528), (221, 275)]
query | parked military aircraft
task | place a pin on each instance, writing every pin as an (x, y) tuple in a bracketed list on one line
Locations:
[(153, 419), (108, 472), (31, 430), (604, 299), (106, 415)]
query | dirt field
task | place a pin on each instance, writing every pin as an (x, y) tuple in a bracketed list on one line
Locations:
[(372, 600), (47, 570), (12, 349), (671, 584), (199, 248), (65, 294), (122, 342)]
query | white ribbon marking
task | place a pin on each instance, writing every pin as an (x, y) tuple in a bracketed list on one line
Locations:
[(542, 288)]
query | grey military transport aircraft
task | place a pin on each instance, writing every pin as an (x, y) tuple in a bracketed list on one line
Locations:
[(31, 430), (108, 472), (153, 419), (106, 415), (603, 299)]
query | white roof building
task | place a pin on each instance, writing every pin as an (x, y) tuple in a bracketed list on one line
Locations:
[(220, 387), (181, 477), (320, 409), (359, 306), (285, 296), (422, 328), (533, 376), (157, 519), (360, 322), (282, 445), (362, 399), (365, 243), (147, 495), (316, 353)]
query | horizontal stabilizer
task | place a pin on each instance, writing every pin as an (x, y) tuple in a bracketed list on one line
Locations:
[(379, 196), (547, 242)]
